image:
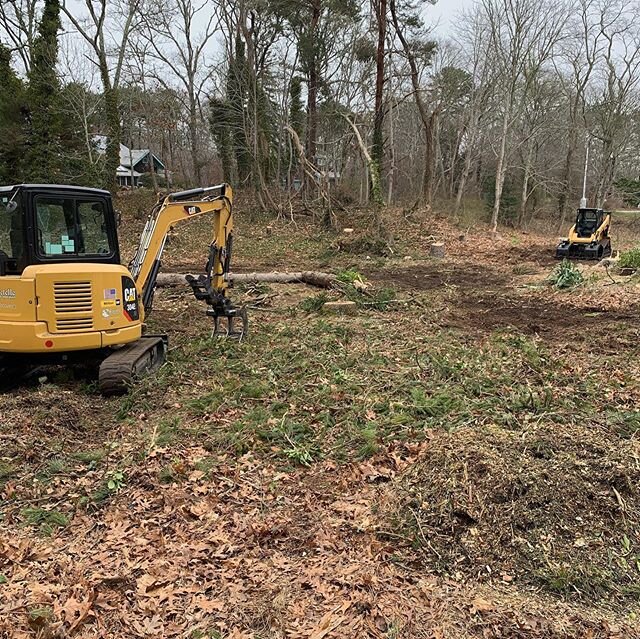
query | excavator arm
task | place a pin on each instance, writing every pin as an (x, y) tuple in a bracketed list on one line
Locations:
[(210, 287)]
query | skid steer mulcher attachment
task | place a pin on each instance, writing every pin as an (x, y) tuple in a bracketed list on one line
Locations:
[(588, 238)]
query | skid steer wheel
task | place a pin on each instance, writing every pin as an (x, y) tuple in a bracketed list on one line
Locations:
[(234, 324)]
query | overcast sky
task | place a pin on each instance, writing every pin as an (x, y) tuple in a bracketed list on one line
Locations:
[(445, 12)]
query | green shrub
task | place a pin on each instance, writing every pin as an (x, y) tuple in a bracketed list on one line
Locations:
[(566, 275), (630, 259), (315, 303), (350, 276)]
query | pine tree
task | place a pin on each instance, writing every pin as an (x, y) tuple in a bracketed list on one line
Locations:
[(44, 152), (12, 121), (238, 99), (219, 124)]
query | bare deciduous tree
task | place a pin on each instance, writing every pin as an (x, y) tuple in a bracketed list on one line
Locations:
[(106, 27)]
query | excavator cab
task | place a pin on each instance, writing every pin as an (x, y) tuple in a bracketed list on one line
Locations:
[(42, 225), (64, 294), (589, 237)]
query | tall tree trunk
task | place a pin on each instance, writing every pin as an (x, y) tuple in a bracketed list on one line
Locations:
[(313, 82), (426, 118), (606, 173), (462, 185), (152, 171), (442, 179), (112, 111), (468, 159), (524, 198), (429, 158), (193, 141), (565, 186), (501, 169), (392, 152), (377, 150)]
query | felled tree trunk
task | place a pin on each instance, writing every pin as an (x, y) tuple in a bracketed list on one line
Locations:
[(312, 278)]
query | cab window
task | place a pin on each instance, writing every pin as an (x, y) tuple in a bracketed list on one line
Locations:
[(93, 228), (11, 228), (70, 227)]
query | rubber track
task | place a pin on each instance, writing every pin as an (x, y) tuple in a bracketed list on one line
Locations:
[(117, 372)]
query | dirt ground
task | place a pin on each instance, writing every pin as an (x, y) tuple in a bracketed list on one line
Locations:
[(460, 460)]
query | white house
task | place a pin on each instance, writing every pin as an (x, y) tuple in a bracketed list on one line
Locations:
[(134, 163)]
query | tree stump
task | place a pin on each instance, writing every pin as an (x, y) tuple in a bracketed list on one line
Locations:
[(437, 250), (341, 308)]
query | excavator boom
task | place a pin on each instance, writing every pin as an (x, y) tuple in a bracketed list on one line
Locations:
[(171, 210)]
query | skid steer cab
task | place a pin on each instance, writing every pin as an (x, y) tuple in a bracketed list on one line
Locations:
[(66, 298), (589, 236)]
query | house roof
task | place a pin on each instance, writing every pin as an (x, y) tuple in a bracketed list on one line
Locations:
[(131, 157), (128, 157), (125, 171)]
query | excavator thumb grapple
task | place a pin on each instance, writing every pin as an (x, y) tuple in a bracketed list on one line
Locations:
[(225, 316)]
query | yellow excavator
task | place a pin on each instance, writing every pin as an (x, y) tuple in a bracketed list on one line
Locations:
[(65, 297)]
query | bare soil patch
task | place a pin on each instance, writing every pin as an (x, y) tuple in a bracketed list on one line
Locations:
[(435, 275), (542, 255), (550, 318)]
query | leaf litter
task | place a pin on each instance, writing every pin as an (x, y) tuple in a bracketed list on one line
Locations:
[(439, 530)]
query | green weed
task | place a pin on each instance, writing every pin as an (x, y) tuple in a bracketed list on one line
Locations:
[(566, 276), (315, 303), (299, 454), (48, 521), (56, 466), (630, 259), (167, 432), (116, 481), (91, 458), (350, 276), (369, 446), (568, 579)]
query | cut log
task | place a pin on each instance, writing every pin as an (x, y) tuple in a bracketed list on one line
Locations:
[(437, 250), (312, 278)]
